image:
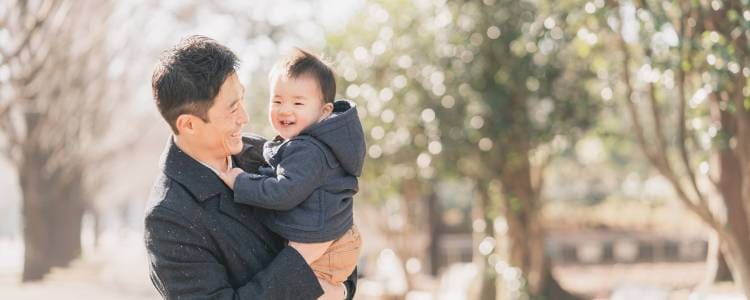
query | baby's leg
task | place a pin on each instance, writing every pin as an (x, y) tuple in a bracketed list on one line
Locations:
[(339, 261)]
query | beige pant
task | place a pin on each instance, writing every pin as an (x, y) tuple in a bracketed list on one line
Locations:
[(339, 261)]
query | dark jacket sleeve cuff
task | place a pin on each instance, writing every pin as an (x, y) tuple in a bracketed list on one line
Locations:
[(351, 285)]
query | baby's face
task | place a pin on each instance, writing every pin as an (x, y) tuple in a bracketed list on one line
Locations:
[(296, 103)]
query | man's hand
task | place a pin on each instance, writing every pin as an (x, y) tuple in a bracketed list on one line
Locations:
[(229, 176), (310, 251), (332, 292)]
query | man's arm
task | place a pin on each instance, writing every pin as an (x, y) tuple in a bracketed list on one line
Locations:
[(299, 173), (183, 265)]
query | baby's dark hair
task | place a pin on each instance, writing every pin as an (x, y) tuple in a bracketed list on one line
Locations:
[(301, 62)]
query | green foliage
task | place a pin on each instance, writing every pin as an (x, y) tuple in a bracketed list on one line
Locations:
[(448, 88)]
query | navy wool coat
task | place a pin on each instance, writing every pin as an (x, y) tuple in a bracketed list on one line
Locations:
[(201, 245)]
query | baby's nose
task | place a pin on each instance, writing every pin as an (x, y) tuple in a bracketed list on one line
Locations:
[(285, 110)]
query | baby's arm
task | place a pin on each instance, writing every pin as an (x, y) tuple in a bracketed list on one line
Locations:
[(298, 174), (266, 171)]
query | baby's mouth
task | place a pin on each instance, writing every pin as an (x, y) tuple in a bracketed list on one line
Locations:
[(286, 123)]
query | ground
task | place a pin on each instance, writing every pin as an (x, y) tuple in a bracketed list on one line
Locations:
[(118, 270)]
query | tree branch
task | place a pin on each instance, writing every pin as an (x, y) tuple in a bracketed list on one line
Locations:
[(39, 20), (684, 52), (658, 160)]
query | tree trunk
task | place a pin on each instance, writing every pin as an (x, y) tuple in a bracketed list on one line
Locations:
[(35, 222), (731, 183), (526, 238), (723, 273), (52, 211), (435, 225), (525, 231), (404, 244), (730, 180), (738, 263), (717, 269), (487, 273)]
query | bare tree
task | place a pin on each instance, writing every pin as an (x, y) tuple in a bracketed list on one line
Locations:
[(59, 104)]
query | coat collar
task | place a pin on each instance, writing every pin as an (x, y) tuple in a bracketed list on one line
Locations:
[(198, 179)]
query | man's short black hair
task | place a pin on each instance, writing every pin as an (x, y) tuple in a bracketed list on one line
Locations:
[(189, 76), (301, 62)]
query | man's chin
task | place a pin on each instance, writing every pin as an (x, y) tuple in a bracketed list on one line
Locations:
[(232, 146), (235, 148)]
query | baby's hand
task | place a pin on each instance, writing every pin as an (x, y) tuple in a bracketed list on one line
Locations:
[(229, 176), (331, 291)]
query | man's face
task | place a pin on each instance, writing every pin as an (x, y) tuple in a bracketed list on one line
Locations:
[(296, 103), (221, 135)]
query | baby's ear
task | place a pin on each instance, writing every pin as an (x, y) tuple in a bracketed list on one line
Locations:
[(327, 109)]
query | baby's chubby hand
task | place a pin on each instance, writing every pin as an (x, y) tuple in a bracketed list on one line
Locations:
[(229, 176)]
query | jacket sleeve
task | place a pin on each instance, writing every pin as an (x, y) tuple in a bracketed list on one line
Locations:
[(183, 265), (298, 174)]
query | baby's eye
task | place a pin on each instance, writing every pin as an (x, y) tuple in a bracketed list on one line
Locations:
[(298, 103), (276, 102)]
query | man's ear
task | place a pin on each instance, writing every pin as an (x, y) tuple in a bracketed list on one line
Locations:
[(185, 124)]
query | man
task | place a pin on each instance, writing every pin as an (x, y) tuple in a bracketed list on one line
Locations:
[(200, 244)]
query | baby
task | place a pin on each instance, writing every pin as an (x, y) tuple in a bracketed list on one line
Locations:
[(314, 164)]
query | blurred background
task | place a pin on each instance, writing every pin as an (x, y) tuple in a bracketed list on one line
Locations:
[(529, 149)]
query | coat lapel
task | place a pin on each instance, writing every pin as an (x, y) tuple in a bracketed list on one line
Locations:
[(199, 180), (245, 216), (203, 184)]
